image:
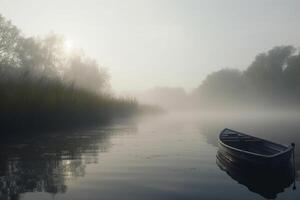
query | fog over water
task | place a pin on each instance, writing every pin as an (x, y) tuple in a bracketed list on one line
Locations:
[(167, 157), (127, 99), (270, 83)]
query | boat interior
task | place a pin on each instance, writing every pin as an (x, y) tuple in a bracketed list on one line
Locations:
[(251, 144)]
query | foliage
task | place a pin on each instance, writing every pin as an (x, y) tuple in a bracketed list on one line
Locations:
[(273, 79), (44, 87), (9, 36)]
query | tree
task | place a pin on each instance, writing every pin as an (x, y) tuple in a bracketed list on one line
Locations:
[(223, 83), (85, 73), (292, 73), (266, 71), (9, 38), (42, 57), (273, 78)]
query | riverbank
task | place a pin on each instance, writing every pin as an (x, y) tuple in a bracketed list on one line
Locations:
[(47, 104)]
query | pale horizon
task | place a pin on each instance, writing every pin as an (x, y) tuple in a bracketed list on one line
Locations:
[(145, 44)]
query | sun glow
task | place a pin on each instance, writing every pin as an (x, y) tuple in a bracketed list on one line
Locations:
[(69, 45)]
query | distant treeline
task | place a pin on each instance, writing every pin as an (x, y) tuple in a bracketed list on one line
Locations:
[(271, 81), (42, 86)]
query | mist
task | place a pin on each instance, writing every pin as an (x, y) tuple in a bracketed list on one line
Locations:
[(149, 99), (270, 83), (43, 86), (164, 43)]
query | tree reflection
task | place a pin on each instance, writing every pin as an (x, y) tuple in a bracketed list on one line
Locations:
[(46, 163)]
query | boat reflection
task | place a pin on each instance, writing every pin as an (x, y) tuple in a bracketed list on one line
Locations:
[(282, 131), (263, 182)]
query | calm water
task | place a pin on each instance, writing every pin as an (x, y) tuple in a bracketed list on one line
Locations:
[(166, 157)]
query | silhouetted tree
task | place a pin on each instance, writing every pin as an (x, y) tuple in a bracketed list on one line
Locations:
[(41, 57), (9, 38), (44, 87), (266, 71), (226, 86), (273, 78), (86, 74), (292, 73)]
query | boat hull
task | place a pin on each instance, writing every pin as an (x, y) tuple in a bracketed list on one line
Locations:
[(245, 158)]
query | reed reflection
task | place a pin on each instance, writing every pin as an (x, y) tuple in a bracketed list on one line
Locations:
[(49, 162)]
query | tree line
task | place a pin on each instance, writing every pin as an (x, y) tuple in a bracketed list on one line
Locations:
[(271, 80), (42, 86)]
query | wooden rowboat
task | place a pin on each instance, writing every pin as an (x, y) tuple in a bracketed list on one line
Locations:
[(252, 151)]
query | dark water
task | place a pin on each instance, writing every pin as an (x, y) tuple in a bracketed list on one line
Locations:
[(167, 157)]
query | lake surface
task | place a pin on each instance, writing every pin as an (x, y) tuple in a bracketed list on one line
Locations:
[(163, 157)]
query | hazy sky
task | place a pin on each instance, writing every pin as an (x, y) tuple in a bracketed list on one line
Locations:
[(147, 43)]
